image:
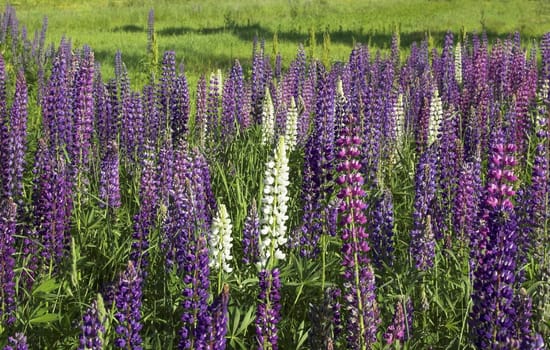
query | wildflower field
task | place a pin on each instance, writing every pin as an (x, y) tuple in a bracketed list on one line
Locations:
[(393, 199)]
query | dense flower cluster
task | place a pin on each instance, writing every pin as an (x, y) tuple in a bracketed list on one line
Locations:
[(92, 329), (128, 301), (221, 241)]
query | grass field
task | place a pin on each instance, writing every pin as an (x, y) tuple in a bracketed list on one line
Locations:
[(209, 34)]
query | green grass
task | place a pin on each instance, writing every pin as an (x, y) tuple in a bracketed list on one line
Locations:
[(211, 34)]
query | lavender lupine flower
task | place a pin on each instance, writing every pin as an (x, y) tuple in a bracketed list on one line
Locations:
[(17, 342), (151, 115), (229, 106), (400, 328), (493, 314), (273, 233), (381, 229), (8, 219), (360, 303), (220, 318), (221, 241), (109, 181), (3, 102), (201, 111), (128, 304), (251, 235), (165, 89), (268, 310), (467, 202), (92, 329), (213, 107), (422, 246), (144, 221), (132, 135)]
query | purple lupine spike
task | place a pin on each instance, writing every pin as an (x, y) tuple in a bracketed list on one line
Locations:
[(362, 311), (128, 299), (83, 112), (165, 90), (14, 145), (545, 53), (102, 118), (109, 181), (467, 201), (8, 220), (494, 252), (307, 102), (229, 116), (151, 115), (180, 108), (220, 316), (251, 235), (17, 342), (400, 328), (201, 109), (381, 229), (268, 309), (92, 329), (525, 338), (278, 66), (52, 202), (325, 320), (422, 246), (144, 221), (132, 136), (3, 102), (213, 108), (121, 75)]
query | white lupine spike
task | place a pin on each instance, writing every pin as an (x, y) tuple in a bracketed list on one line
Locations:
[(274, 206), (458, 63), (543, 92), (436, 114), (268, 118), (291, 126), (221, 241)]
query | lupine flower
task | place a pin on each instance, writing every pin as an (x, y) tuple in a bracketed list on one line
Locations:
[(128, 304), (274, 207), (180, 107), (360, 302), (436, 116), (220, 319), (493, 314), (251, 235), (400, 328), (422, 246), (382, 229), (221, 241), (268, 119), (291, 125), (17, 342), (8, 219), (109, 184), (325, 320), (92, 329), (268, 310)]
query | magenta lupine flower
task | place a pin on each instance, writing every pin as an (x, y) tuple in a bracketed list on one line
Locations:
[(109, 180), (268, 310), (360, 302), (128, 304), (220, 318), (92, 329), (494, 314), (8, 220)]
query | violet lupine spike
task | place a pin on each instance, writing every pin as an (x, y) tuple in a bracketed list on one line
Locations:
[(545, 53), (229, 108), (180, 108), (401, 326), (165, 89), (325, 320), (12, 159), (8, 220), (467, 202), (268, 309), (3, 102), (494, 252), (251, 236), (83, 112), (381, 229), (201, 110), (151, 115), (242, 112), (220, 319), (213, 108), (132, 136), (17, 342), (121, 75), (53, 203), (144, 221), (362, 311), (128, 299), (422, 245), (92, 329), (109, 181)]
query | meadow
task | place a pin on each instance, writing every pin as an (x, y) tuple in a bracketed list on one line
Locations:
[(275, 174)]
